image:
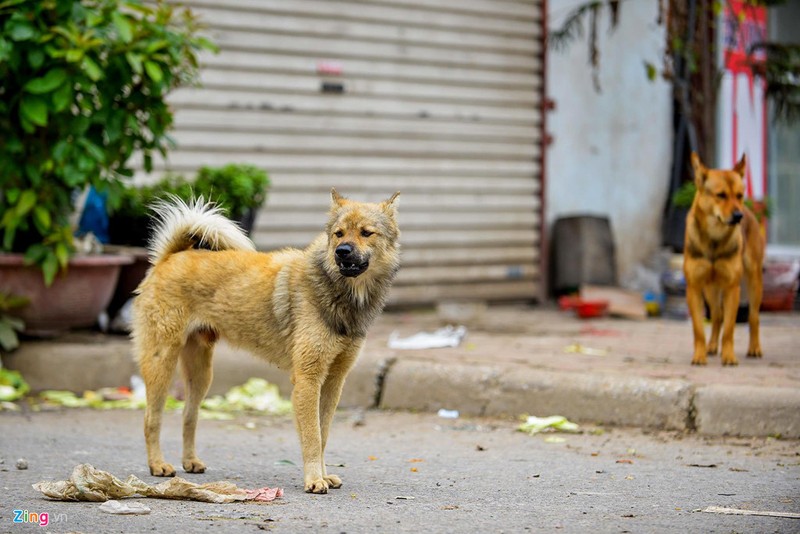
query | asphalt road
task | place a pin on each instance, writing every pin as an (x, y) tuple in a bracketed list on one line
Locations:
[(407, 472)]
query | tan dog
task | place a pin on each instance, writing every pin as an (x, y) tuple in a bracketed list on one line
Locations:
[(306, 311), (722, 242)]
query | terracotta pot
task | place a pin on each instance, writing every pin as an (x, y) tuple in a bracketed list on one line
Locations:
[(73, 301)]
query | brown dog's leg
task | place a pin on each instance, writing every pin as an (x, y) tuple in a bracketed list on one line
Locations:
[(157, 370), (694, 300), (754, 293), (197, 374), (730, 307), (305, 401), (329, 400), (714, 299)]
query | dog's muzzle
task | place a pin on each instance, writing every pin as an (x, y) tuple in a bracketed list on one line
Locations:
[(349, 262), (736, 218)]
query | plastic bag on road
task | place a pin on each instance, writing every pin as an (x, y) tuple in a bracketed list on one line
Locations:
[(89, 484)]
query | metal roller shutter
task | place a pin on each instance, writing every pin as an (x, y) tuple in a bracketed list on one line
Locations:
[(439, 99)]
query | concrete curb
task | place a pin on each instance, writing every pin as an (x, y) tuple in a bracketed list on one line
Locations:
[(379, 379), (514, 390), (726, 409)]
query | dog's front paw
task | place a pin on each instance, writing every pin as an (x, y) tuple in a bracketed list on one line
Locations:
[(319, 485), (161, 469), (754, 352), (333, 481), (729, 358), (699, 358), (194, 465)]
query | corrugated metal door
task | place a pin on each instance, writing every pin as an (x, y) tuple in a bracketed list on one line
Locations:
[(436, 98)]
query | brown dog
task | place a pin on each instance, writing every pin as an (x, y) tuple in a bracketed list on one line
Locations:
[(306, 311), (723, 241)]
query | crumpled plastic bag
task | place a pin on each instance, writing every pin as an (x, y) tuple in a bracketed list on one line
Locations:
[(554, 423), (449, 336), (89, 484)]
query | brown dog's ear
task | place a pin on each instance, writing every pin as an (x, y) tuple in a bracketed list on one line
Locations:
[(336, 199), (700, 170), (391, 204), (741, 167)]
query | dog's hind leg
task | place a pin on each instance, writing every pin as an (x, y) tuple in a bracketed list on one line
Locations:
[(329, 400), (197, 374), (157, 367)]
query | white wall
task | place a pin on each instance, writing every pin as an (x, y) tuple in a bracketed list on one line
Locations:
[(612, 150)]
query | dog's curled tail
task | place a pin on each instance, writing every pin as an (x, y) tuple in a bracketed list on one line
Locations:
[(181, 226)]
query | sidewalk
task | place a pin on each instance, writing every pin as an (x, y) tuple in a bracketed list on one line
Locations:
[(516, 360)]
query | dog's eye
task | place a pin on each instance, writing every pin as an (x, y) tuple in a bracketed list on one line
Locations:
[(338, 233), (722, 196), (739, 196), (366, 233)]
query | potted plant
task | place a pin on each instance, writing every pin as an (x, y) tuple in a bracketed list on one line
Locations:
[(238, 188), (84, 87)]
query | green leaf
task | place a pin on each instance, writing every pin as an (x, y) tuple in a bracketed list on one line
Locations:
[(15, 322), (652, 72), (91, 69), (135, 61), (10, 231), (60, 150), (12, 195), (153, 71), (33, 174), (36, 58), (34, 109), (62, 98), (62, 254), (49, 268), (26, 202), (74, 55), (35, 253), (92, 149), (21, 30), (42, 219), (123, 25), (8, 338), (47, 83)]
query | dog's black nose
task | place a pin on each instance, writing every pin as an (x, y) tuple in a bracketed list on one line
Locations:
[(736, 217), (344, 250)]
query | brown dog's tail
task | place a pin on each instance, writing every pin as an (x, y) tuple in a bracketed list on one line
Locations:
[(182, 226)]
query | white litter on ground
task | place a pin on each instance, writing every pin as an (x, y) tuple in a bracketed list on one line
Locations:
[(449, 336)]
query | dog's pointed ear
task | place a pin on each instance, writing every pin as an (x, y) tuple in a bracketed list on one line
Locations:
[(700, 170), (741, 167), (336, 199), (390, 205)]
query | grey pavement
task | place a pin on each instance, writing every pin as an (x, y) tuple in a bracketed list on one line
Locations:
[(515, 360), (407, 472)]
